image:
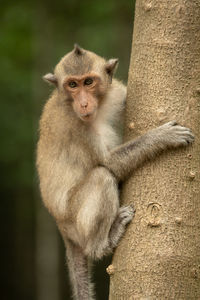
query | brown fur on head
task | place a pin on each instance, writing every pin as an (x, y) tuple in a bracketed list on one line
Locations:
[(83, 77)]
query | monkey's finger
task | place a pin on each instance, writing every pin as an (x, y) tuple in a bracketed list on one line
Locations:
[(172, 123), (182, 128)]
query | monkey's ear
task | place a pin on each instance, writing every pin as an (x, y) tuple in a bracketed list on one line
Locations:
[(50, 78), (111, 66), (78, 50)]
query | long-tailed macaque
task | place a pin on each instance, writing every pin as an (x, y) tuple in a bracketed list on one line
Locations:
[(80, 159)]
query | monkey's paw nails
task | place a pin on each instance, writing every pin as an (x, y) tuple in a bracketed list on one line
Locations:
[(126, 214), (177, 135)]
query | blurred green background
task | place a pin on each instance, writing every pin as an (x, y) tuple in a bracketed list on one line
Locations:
[(34, 35)]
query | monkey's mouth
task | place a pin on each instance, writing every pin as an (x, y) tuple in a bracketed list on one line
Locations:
[(88, 117)]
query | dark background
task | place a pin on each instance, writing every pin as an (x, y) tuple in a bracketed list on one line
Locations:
[(34, 35)]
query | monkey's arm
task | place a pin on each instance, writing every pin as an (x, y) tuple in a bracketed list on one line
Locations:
[(127, 157)]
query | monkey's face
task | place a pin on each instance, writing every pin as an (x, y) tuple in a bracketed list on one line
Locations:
[(85, 94), (86, 78)]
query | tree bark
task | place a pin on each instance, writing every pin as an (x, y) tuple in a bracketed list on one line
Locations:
[(159, 256)]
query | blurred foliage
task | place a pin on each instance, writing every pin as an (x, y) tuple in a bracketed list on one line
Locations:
[(16, 119), (33, 37)]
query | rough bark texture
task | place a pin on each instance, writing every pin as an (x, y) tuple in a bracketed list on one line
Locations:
[(159, 257)]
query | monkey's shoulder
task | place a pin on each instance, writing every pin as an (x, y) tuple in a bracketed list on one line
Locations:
[(118, 88)]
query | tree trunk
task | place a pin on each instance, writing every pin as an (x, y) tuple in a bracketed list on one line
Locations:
[(159, 257)]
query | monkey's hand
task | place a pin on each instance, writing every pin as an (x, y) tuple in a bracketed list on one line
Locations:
[(172, 135)]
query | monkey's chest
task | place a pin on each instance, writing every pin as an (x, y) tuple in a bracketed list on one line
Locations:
[(104, 138)]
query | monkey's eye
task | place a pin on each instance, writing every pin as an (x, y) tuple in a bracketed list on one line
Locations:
[(72, 84), (88, 81)]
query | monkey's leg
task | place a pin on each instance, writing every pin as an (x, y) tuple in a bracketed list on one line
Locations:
[(99, 212), (127, 157), (99, 208), (96, 228)]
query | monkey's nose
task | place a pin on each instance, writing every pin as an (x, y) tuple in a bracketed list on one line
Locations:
[(84, 105)]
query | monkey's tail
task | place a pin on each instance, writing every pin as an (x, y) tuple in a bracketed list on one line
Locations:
[(78, 266)]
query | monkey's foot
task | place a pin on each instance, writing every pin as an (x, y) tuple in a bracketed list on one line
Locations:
[(126, 214)]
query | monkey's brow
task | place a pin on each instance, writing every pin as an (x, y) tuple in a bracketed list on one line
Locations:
[(82, 77)]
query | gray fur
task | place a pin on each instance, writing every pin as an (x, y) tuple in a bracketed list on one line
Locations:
[(129, 156), (79, 272), (82, 64)]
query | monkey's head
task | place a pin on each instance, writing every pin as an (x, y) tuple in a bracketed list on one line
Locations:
[(83, 78)]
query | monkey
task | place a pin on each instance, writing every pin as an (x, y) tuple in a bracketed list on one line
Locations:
[(81, 159)]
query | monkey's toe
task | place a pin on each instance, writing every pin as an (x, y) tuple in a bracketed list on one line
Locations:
[(126, 214)]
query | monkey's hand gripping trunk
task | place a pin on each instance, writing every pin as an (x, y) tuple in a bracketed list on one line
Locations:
[(127, 157)]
